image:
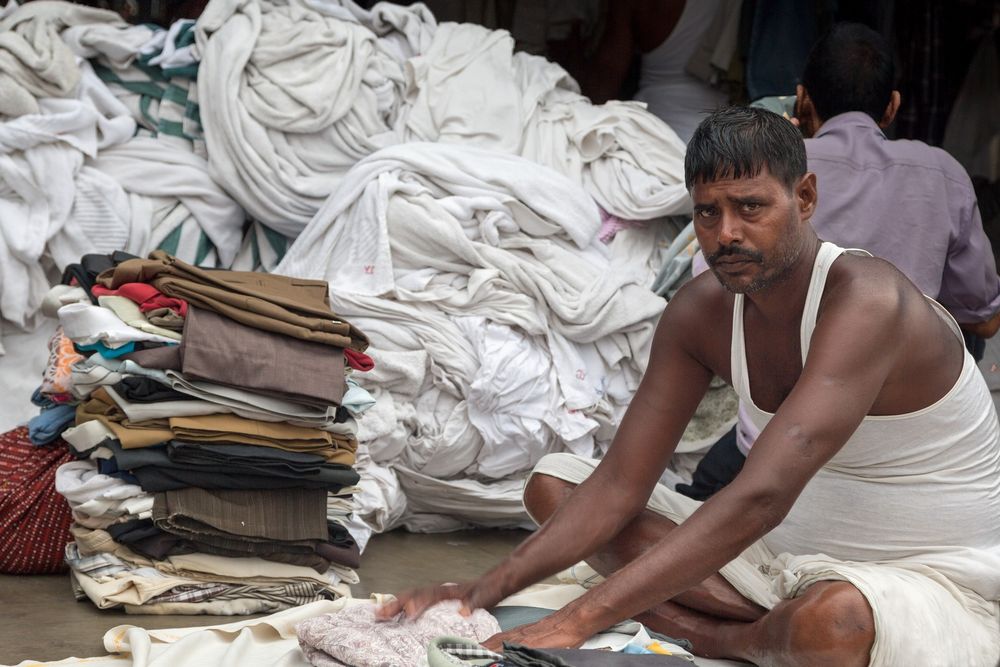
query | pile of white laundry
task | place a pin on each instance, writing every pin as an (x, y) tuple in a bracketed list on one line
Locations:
[(452, 190)]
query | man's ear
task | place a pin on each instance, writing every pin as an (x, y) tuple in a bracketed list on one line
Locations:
[(806, 195), (890, 110), (805, 112)]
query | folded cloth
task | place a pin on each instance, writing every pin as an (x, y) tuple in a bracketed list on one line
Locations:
[(232, 429), (291, 306), (34, 519), (147, 297), (353, 636), (516, 655), (219, 349), (211, 466), (128, 312), (58, 371), (95, 498), (287, 514), (137, 389), (144, 537), (101, 407), (87, 324), (46, 426)]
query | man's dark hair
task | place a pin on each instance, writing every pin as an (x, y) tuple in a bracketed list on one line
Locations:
[(849, 69), (739, 142)]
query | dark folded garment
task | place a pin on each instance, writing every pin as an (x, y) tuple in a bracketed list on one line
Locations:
[(143, 537), (288, 515), (515, 655), (139, 389), (210, 466)]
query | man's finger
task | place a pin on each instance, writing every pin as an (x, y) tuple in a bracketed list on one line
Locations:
[(388, 610)]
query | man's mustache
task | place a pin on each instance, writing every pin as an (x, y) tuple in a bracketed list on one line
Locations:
[(729, 250)]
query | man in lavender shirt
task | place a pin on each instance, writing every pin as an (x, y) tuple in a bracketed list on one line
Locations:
[(901, 200)]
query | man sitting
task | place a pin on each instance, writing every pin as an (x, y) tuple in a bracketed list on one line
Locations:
[(864, 527), (907, 202)]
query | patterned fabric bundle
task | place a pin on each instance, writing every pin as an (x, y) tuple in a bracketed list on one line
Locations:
[(34, 519)]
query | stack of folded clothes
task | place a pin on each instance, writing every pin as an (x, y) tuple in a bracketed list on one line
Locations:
[(213, 417)]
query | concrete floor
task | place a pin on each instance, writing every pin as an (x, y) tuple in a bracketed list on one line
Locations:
[(40, 620)]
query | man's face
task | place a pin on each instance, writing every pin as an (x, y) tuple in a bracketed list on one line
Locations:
[(750, 230)]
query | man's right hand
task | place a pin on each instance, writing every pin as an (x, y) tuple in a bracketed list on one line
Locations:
[(478, 594)]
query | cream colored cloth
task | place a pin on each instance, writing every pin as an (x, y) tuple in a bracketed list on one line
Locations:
[(259, 642), (921, 617)]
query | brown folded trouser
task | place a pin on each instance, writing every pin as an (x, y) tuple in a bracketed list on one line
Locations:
[(132, 435), (291, 306)]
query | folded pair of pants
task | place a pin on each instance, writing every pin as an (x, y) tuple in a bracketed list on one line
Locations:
[(286, 514), (101, 407), (211, 466), (219, 349), (232, 429), (291, 306)]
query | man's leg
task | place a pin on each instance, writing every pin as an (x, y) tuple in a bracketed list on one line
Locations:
[(831, 624)]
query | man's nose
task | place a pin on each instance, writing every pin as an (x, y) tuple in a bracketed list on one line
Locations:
[(730, 229)]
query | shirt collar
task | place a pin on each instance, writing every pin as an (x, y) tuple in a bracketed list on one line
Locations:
[(848, 120)]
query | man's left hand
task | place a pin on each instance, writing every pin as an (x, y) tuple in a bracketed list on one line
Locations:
[(550, 632)]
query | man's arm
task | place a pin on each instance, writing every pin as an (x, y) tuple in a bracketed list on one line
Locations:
[(617, 491), (837, 388), (970, 287)]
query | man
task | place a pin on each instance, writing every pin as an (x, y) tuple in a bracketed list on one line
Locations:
[(864, 527), (907, 202)]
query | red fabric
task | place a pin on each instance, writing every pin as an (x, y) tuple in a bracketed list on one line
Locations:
[(147, 296), (359, 361), (34, 519)]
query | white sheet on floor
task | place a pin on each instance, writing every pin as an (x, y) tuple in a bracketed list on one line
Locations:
[(298, 97)]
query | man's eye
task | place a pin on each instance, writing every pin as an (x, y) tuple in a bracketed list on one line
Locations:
[(751, 207), (706, 212)]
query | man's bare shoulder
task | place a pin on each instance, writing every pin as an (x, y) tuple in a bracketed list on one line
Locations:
[(868, 284)]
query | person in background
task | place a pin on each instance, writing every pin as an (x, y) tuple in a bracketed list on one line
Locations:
[(904, 201), (901, 200), (666, 33)]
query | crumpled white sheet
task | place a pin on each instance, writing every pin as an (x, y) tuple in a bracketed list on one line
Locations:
[(159, 170), (35, 62), (53, 206), (299, 94), (470, 88), (489, 265)]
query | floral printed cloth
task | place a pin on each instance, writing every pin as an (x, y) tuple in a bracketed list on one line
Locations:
[(354, 637)]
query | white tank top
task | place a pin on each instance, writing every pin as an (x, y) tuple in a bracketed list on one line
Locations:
[(670, 93), (922, 487)]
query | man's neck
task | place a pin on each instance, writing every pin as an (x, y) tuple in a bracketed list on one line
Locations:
[(784, 299)]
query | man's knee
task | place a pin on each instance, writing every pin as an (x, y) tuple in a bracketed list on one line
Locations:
[(543, 494), (832, 624)]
